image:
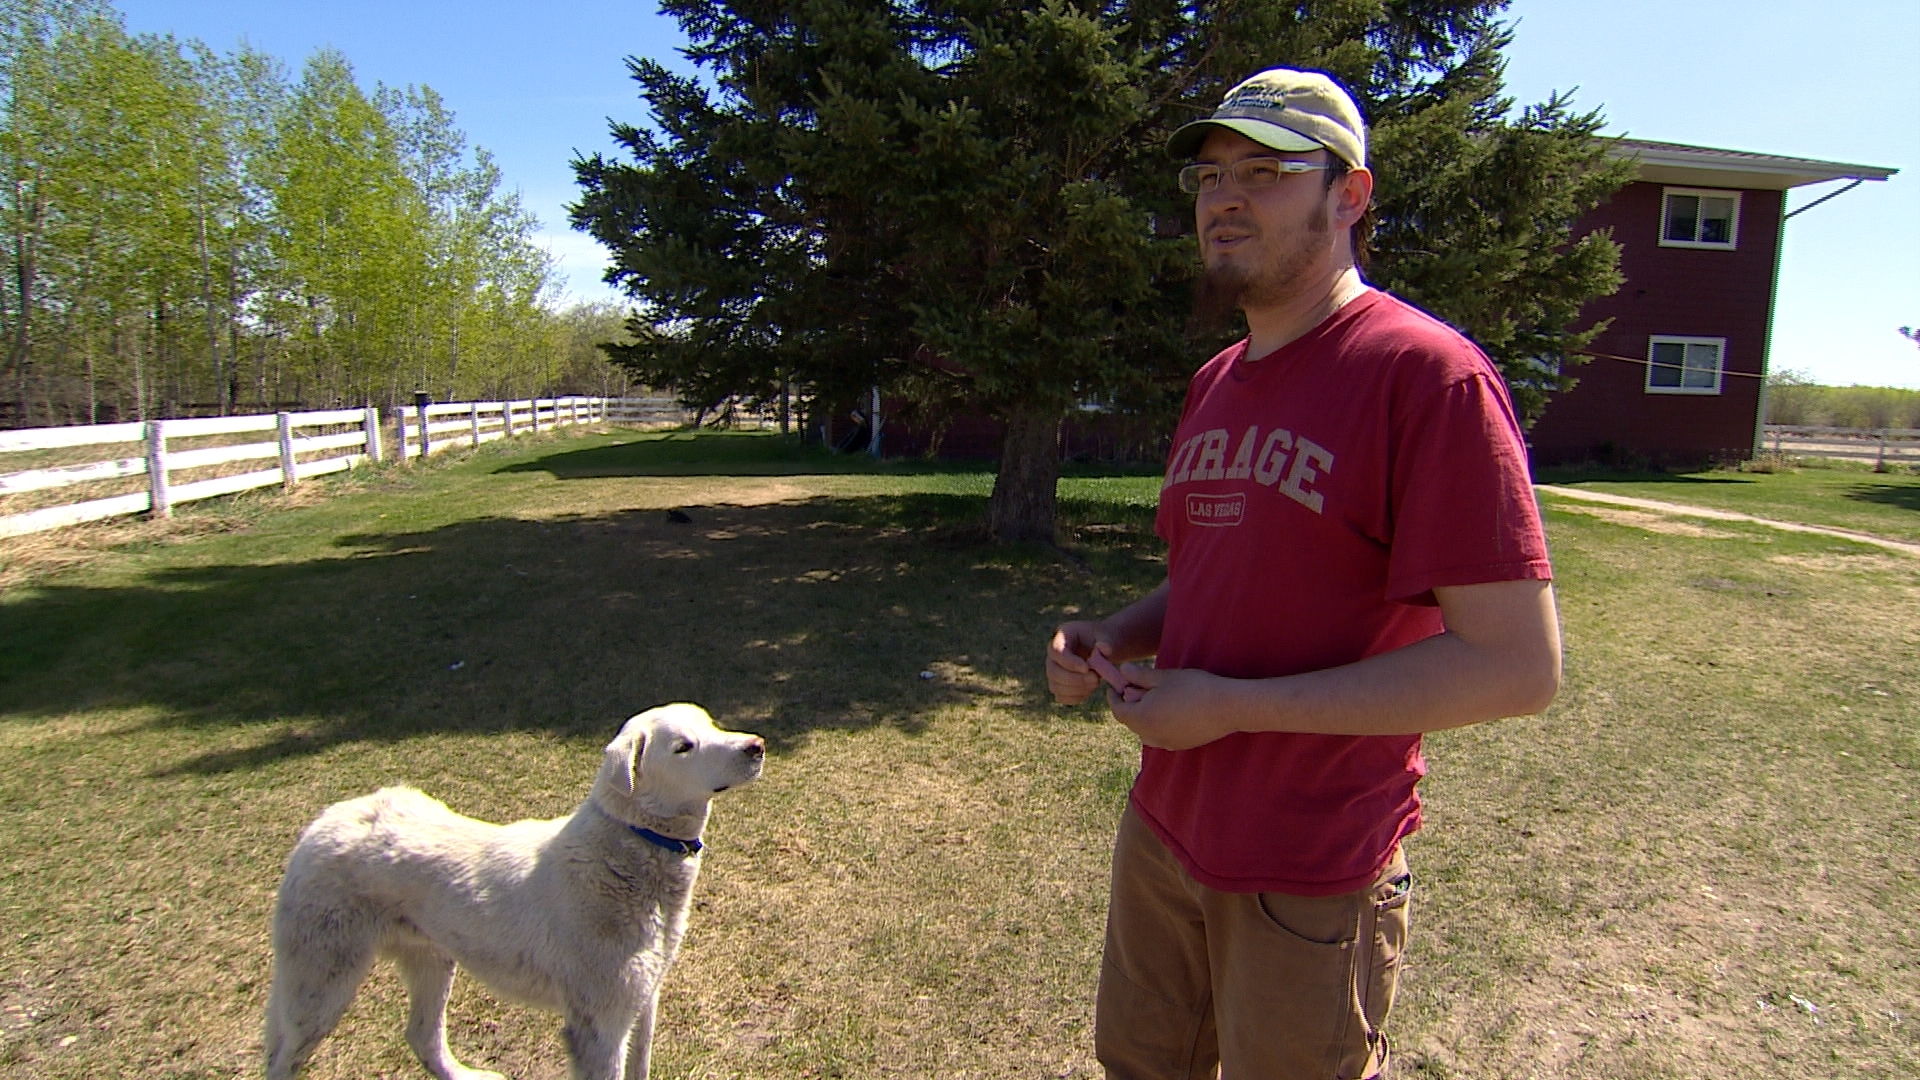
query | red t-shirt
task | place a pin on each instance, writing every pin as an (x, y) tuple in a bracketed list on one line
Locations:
[(1312, 501)]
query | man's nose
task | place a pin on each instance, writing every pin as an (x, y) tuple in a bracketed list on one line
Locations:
[(1226, 196)]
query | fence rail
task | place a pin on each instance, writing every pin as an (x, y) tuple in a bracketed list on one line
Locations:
[(470, 423), (1882, 446), (175, 456)]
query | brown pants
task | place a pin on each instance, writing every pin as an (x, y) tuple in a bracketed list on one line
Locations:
[(1261, 986)]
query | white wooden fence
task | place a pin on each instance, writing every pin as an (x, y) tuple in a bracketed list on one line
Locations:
[(303, 445), (470, 423), (1883, 446)]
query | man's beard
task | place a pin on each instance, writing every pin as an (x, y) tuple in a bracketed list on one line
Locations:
[(1223, 290)]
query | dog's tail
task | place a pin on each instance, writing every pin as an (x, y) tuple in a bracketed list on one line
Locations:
[(322, 951)]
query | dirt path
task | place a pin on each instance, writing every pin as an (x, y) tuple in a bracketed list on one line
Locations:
[(1727, 515)]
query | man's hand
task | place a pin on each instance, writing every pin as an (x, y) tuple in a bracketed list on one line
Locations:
[(1128, 634), (1181, 709), (1069, 676), (1499, 656)]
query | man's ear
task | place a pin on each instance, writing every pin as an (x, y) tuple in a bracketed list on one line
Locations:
[(1355, 193), (621, 767)]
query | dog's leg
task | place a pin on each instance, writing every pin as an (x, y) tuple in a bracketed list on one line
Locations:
[(315, 976), (428, 973), (640, 1043), (597, 1044)]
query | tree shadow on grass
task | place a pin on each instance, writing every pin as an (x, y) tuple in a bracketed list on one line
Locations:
[(782, 619), (1900, 496)]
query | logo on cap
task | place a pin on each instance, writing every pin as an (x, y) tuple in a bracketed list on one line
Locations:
[(1256, 97)]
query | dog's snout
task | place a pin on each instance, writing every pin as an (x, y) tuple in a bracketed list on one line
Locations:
[(757, 748)]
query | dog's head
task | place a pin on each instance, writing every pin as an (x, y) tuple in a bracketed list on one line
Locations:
[(671, 760)]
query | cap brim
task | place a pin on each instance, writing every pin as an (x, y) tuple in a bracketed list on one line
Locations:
[(1186, 141)]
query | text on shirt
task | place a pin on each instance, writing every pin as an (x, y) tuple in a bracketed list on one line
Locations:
[(1282, 460)]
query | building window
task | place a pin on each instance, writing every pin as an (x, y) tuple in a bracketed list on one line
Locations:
[(1693, 218), (1684, 365)]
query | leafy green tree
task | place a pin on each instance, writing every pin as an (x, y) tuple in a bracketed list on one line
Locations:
[(346, 222), (1791, 397), (117, 162), (46, 50), (590, 329), (248, 91), (483, 305), (968, 202), (181, 229)]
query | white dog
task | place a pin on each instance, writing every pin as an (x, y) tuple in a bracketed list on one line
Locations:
[(580, 915)]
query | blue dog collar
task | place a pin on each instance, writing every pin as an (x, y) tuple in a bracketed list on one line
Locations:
[(671, 843)]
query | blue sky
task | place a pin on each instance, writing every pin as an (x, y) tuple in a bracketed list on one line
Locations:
[(1838, 81)]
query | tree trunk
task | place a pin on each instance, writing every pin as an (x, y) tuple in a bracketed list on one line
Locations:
[(206, 286), (1023, 491)]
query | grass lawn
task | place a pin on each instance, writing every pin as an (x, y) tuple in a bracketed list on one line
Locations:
[(1842, 494), (1715, 822)]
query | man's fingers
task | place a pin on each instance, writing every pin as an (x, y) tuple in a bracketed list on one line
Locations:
[(1064, 656), (1103, 667)]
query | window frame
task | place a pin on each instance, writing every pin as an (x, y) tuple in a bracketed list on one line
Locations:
[(1733, 225), (1719, 367)]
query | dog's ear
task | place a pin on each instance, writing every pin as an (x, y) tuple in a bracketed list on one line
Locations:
[(622, 764)]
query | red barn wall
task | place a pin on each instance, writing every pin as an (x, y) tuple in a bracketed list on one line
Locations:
[(1681, 291)]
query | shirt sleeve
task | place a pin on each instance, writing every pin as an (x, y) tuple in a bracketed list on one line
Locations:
[(1462, 505)]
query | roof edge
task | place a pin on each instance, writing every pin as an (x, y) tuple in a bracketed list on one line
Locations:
[(1681, 162)]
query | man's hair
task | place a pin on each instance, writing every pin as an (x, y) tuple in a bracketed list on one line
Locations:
[(1361, 236)]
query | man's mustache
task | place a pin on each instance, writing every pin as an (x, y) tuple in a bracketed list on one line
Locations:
[(1235, 223)]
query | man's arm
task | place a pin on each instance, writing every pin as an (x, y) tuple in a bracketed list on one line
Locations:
[(1499, 656), (1128, 634)]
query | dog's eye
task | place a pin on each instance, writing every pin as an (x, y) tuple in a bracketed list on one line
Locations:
[(683, 748)]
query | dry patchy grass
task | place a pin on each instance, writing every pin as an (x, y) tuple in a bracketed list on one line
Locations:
[(1714, 823)]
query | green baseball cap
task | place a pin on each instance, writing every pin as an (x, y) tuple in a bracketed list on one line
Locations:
[(1286, 110)]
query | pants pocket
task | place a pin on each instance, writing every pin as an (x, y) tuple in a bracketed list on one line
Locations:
[(1300, 1019), (1392, 912), (1382, 955)]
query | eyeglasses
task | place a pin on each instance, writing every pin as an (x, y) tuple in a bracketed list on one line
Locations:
[(1253, 172)]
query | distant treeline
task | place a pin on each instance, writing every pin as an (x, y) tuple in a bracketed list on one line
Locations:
[(1793, 399), (192, 232)]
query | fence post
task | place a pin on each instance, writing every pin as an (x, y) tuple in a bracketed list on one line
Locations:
[(506, 418), (533, 410), (873, 425), (159, 502), (473, 413), (283, 422), (400, 433), (420, 402), (1880, 465), (372, 424)]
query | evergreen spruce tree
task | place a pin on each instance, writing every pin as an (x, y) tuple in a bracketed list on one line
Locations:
[(968, 202)]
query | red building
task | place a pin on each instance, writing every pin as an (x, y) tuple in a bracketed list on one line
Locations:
[(1677, 377)]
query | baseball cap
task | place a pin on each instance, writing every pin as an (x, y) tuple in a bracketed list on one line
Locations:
[(1286, 110)]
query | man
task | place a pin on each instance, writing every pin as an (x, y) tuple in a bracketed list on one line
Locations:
[(1354, 558)]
